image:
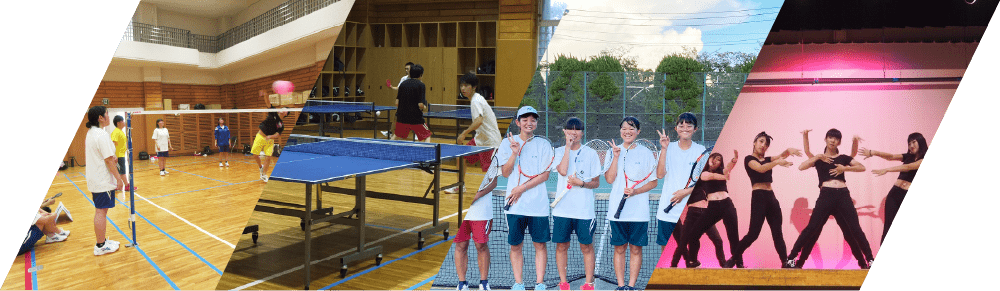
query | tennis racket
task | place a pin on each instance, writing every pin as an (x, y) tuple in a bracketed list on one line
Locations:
[(639, 162), (536, 157), (584, 173), (695, 174), (491, 175)]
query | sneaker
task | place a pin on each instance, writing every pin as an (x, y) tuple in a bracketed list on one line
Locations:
[(265, 179), (517, 286), (587, 286), (110, 246), (387, 134), (227, 164), (539, 286), (622, 288), (631, 288), (454, 190), (220, 164), (484, 286), (163, 173), (564, 286), (462, 287), (57, 237), (789, 264)]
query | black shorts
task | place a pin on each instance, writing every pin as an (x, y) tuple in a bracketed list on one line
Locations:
[(121, 166)]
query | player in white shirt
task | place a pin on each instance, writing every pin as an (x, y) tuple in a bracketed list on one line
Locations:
[(102, 175), (530, 202), (484, 123), (163, 146), (628, 232), (676, 160), (575, 213)]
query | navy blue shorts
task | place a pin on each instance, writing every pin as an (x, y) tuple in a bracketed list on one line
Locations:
[(224, 148), (104, 200), (538, 227), (162, 154), (34, 234), (629, 232), (563, 227), (664, 230)]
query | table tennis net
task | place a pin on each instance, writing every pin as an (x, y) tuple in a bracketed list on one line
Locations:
[(363, 148), (324, 106), (501, 275)]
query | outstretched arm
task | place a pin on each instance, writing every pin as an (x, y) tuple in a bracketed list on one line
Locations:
[(901, 168), (867, 153), (805, 143)]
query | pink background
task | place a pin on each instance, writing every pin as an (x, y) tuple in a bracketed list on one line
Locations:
[(883, 114)]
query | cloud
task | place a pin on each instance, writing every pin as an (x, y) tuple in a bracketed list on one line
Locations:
[(595, 25)]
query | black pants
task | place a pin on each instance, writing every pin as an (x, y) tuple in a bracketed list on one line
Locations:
[(763, 206), (892, 203), (834, 202), (723, 210), (693, 213)]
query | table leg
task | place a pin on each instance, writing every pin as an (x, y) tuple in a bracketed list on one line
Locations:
[(308, 229), (461, 187)]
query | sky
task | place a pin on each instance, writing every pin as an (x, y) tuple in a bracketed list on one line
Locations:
[(651, 29)]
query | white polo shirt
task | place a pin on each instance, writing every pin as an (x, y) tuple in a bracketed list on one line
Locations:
[(99, 147)]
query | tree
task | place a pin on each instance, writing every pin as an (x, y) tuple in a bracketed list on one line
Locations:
[(682, 83)]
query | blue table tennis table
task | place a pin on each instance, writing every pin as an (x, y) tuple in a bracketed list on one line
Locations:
[(333, 159), (463, 113), (323, 109)]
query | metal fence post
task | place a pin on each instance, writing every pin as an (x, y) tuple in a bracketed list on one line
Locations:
[(585, 103), (704, 95)]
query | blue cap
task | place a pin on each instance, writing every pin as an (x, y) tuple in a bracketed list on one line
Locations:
[(526, 110)]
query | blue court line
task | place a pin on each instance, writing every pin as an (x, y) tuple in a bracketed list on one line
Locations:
[(162, 274), (34, 274), (202, 189), (422, 283), (172, 169), (366, 271), (171, 237)]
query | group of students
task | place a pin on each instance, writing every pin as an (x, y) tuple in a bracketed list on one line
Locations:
[(834, 199), (530, 209)]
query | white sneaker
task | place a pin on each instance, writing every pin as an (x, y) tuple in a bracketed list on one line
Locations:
[(454, 190), (110, 246), (57, 237), (163, 173), (265, 178), (484, 287), (220, 164), (227, 164)]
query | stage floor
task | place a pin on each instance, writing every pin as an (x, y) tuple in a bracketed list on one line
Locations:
[(798, 279)]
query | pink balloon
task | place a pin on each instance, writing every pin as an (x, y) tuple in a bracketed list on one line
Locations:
[(283, 87)]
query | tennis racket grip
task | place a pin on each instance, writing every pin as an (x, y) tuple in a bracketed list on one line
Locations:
[(560, 196), (507, 207), (621, 205), (671, 206)]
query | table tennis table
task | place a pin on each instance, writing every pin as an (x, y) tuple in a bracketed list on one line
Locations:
[(315, 164), (324, 108), (463, 113)]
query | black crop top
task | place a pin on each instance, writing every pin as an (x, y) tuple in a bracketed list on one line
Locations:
[(698, 194), (712, 186), (757, 177), (823, 169), (908, 158)]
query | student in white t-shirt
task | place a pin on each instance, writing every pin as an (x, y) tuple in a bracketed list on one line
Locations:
[(575, 212), (529, 202), (484, 123), (163, 146), (476, 226), (676, 160), (102, 175), (628, 232), (406, 68)]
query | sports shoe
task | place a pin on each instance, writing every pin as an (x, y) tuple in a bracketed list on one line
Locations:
[(564, 286), (263, 178), (163, 173), (110, 246), (462, 287), (587, 286), (454, 190), (789, 264), (57, 237), (539, 286), (227, 164), (622, 288), (484, 286), (220, 164), (517, 286), (387, 134)]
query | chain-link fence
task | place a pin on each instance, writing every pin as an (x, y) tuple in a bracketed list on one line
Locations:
[(602, 100)]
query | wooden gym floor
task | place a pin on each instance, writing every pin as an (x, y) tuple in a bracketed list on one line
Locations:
[(276, 261), (187, 225)]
